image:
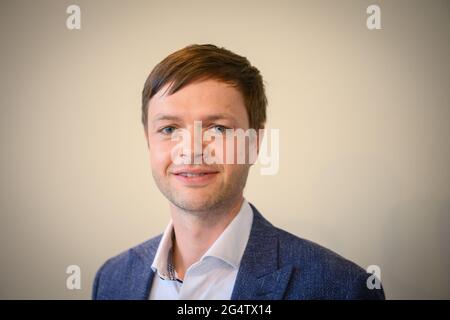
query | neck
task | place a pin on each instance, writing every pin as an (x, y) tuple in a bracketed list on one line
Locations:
[(196, 232)]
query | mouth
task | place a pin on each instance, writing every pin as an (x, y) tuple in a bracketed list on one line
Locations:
[(195, 177)]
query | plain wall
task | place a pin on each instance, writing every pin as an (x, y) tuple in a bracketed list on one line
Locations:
[(363, 118)]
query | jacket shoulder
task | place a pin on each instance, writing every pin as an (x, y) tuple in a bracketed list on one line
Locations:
[(115, 274), (324, 273)]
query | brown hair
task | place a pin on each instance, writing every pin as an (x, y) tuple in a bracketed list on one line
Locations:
[(201, 62)]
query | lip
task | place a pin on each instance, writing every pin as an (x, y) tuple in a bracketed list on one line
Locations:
[(194, 170), (202, 176)]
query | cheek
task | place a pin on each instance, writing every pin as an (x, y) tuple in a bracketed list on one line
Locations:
[(236, 151), (234, 172), (160, 154), (214, 152), (224, 150), (229, 151)]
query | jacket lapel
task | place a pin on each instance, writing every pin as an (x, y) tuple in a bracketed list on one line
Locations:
[(259, 275), (140, 276)]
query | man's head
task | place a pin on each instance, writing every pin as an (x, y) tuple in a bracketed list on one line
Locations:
[(223, 91)]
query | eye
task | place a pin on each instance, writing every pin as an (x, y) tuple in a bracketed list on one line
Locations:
[(219, 129), (167, 130)]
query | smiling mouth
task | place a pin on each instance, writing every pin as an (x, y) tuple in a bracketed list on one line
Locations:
[(186, 174), (199, 178)]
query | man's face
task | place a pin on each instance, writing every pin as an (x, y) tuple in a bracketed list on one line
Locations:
[(196, 186)]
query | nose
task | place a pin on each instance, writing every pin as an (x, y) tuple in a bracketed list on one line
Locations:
[(193, 144)]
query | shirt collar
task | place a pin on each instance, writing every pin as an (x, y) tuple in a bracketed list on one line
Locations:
[(231, 244), (161, 261), (228, 247)]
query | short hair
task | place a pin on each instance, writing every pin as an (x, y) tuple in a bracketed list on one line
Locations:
[(201, 62)]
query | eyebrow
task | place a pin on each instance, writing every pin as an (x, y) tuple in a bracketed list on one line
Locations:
[(161, 116), (213, 117)]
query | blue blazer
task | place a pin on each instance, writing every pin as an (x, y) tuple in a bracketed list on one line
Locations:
[(275, 265)]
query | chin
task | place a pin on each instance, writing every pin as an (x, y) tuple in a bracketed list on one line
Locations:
[(191, 204), (198, 202)]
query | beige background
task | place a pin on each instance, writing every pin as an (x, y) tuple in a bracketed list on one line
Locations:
[(364, 119)]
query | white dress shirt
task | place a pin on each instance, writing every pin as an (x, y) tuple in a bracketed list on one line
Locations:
[(213, 276)]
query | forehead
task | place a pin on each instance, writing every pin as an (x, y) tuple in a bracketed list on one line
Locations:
[(199, 99)]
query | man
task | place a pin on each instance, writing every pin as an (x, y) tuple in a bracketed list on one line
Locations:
[(217, 245)]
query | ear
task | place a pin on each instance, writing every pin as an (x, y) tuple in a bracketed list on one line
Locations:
[(259, 138), (260, 135)]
